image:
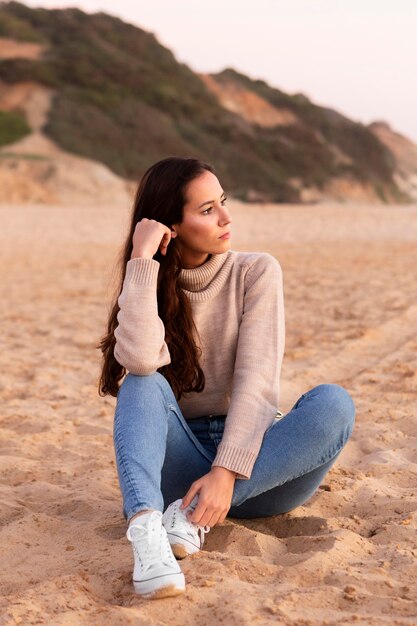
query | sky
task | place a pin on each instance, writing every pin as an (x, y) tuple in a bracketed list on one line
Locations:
[(358, 57)]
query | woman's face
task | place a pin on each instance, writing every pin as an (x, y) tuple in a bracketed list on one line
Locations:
[(205, 220)]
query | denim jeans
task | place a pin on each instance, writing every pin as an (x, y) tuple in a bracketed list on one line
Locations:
[(159, 453)]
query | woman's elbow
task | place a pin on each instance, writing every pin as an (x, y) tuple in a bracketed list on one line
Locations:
[(142, 365)]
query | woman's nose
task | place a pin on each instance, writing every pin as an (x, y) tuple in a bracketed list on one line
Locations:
[(226, 218)]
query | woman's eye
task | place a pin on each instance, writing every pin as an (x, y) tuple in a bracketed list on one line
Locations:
[(211, 208)]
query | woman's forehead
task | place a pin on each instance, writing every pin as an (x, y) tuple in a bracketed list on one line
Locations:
[(205, 188)]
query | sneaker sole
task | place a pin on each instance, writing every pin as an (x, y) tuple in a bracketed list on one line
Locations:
[(173, 585), (180, 551)]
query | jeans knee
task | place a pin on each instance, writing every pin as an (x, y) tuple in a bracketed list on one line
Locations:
[(149, 386), (148, 379), (340, 401)]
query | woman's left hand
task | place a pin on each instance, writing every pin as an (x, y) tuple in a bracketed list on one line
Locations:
[(216, 491)]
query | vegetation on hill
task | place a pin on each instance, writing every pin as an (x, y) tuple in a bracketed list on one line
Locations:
[(123, 99), (13, 127), (371, 160)]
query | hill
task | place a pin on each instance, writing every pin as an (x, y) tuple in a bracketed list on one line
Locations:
[(119, 97)]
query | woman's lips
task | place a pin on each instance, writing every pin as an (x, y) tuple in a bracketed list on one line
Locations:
[(225, 236)]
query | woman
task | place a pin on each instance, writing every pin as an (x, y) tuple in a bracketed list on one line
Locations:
[(198, 329)]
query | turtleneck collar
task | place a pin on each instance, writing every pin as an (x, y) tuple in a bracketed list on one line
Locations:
[(199, 278)]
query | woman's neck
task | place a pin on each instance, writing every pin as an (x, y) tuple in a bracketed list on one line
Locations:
[(192, 263)]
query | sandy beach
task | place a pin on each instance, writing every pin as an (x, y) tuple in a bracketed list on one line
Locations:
[(348, 555)]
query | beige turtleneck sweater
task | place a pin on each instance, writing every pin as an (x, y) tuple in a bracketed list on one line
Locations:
[(238, 308)]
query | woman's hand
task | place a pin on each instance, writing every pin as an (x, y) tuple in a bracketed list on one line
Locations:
[(216, 491), (149, 236)]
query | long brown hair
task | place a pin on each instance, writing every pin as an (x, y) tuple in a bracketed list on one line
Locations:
[(161, 196)]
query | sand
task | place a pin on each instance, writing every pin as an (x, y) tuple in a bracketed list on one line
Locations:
[(348, 555)]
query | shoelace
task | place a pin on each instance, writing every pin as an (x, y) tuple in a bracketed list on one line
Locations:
[(203, 530), (152, 552), (190, 527)]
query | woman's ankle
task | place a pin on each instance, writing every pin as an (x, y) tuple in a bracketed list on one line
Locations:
[(140, 513)]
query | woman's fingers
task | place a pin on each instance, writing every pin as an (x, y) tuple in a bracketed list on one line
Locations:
[(149, 236), (189, 496), (199, 512), (215, 519), (208, 518), (165, 242), (203, 514)]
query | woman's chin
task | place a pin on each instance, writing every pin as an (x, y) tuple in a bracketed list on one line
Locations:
[(224, 243)]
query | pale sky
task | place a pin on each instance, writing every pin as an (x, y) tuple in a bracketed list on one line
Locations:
[(356, 56)]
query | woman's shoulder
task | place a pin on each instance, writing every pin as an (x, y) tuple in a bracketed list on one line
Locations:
[(256, 262)]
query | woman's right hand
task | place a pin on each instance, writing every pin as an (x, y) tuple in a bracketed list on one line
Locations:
[(149, 236)]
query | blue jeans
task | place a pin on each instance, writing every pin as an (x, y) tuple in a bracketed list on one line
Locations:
[(159, 453)]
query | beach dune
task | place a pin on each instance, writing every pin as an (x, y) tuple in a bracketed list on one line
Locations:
[(348, 555)]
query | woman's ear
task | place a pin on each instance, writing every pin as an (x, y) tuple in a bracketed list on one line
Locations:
[(173, 233)]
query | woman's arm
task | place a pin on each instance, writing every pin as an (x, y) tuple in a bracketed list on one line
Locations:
[(255, 391), (140, 336)]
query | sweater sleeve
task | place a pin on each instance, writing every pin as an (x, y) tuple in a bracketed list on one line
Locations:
[(140, 345), (255, 389)]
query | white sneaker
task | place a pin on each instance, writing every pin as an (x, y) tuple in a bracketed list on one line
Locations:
[(156, 573), (185, 537)]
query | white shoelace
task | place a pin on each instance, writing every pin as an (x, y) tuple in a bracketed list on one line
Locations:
[(203, 530), (182, 523), (150, 551)]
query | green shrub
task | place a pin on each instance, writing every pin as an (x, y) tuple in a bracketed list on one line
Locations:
[(14, 27), (13, 126)]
